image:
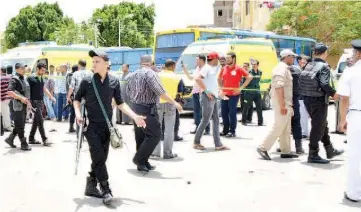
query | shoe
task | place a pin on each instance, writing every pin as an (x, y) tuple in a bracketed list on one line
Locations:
[(32, 141), (244, 123), (178, 138), (278, 150), (46, 142), (171, 156), (10, 140), (313, 157), (300, 150), (345, 141), (25, 147), (150, 167), (206, 133), (304, 136), (199, 147), (91, 189), (289, 155), (194, 131), (107, 193), (260, 124), (71, 129), (222, 148), (349, 199), (264, 154), (142, 168), (332, 152), (223, 134), (231, 135)]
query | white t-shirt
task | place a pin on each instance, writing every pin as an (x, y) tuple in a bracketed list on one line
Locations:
[(210, 74), (350, 85)]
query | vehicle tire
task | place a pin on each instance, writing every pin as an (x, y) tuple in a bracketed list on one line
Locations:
[(266, 101)]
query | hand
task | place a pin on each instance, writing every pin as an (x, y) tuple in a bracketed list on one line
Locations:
[(79, 120), (139, 121), (179, 107), (26, 101), (223, 96), (68, 100), (283, 110), (210, 96), (336, 97), (342, 126), (237, 92)]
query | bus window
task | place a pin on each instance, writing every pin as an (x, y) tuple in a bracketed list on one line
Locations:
[(209, 34), (287, 44), (298, 46), (175, 40), (307, 48)]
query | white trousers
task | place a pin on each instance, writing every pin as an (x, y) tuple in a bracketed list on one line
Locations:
[(5, 112), (353, 189), (304, 118)]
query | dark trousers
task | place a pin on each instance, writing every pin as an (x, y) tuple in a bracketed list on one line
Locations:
[(146, 138), (19, 118), (97, 135), (249, 98), (317, 109), (38, 120), (60, 104), (72, 115), (296, 122), (229, 114), (176, 124), (197, 110)]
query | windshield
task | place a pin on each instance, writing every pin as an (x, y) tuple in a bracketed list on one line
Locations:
[(26, 61), (342, 67), (175, 40), (189, 61)]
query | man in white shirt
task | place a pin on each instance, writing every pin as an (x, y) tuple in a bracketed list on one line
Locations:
[(350, 104)]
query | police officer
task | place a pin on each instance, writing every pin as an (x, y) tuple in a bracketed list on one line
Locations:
[(97, 133), (253, 95), (18, 106), (316, 90), (351, 101)]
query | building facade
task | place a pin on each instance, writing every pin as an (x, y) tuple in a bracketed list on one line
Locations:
[(223, 13)]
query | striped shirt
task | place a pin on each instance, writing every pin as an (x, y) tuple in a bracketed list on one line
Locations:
[(76, 79), (4, 87), (60, 84), (144, 87)]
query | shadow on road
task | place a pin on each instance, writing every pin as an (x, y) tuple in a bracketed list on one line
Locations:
[(96, 202), (351, 204), (329, 166), (13, 151), (152, 174), (285, 160), (177, 159)]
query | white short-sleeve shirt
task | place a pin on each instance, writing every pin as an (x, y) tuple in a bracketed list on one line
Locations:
[(210, 75), (350, 85)]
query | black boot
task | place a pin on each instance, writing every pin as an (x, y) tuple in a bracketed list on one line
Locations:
[(71, 128), (332, 152), (107, 193), (10, 140), (91, 189), (24, 145), (299, 149), (313, 157)]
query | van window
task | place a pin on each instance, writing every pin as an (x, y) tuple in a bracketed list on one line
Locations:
[(342, 67), (287, 44)]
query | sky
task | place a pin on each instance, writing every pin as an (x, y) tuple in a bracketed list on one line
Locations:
[(169, 13)]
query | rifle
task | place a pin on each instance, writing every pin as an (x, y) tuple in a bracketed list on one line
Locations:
[(80, 139)]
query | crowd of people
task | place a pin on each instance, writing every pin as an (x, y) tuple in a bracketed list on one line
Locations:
[(151, 101)]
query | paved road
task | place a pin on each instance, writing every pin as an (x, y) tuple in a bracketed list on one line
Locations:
[(43, 180)]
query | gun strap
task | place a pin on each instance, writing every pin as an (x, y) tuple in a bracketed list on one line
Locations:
[(101, 104)]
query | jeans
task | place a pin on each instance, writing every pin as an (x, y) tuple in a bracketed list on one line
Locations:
[(296, 122), (168, 112), (229, 114), (49, 107), (197, 110), (209, 111), (60, 104)]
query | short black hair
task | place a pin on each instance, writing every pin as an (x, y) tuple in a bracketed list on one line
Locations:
[(3, 70), (232, 54), (202, 57), (302, 56), (75, 68), (9, 69), (169, 63), (246, 63), (41, 65), (82, 63)]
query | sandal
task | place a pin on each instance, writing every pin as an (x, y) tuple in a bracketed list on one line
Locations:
[(222, 148), (199, 147)]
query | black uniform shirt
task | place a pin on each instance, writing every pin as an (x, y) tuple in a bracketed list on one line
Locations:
[(254, 84), (109, 89), (36, 87), (14, 85)]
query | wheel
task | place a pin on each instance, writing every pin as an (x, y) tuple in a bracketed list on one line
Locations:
[(266, 101)]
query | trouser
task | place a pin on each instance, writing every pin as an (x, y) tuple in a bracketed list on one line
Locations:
[(353, 188), (125, 118), (38, 121), (72, 115), (49, 107), (304, 118), (146, 138), (97, 135), (209, 111), (317, 108), (229, 114), (176, 124), (5, 112), (281, 129), (296, 123), (60, 104), (167, 113), (197, 110), (249, 98), (19, 118)]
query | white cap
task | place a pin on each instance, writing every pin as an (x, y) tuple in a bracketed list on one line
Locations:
[(287, 52)]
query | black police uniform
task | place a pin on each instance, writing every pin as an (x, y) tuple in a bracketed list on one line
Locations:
[(18, 85), (296, 118), (97, 133), (251, 96), (315, 90), (37, 101)]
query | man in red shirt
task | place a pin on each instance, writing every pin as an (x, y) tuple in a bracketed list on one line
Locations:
[(229, 79)]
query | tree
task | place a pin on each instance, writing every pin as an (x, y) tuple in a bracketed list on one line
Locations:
[(34, 24), (136, 24), (70, 32), (335, 23)]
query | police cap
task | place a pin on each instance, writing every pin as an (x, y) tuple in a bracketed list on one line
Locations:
[(96, 52), (19, 65), (356, 44), (320, 48)]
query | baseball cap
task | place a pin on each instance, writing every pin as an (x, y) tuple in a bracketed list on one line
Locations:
[(287, 52), (102, 54), (356, 44), (212, 55), (320, 48), (19, 65)]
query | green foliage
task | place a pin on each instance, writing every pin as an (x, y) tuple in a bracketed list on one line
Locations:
[(34, 24), (70, 32), (136, 24), (335, 23)]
